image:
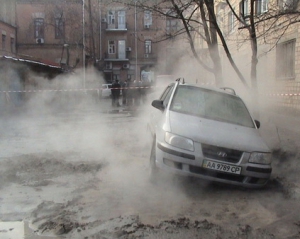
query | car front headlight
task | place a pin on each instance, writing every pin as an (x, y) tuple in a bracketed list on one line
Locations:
[(179, 141), (260, 158)]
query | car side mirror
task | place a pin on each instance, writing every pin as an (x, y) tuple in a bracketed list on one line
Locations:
[(257, 123), (158, 104)]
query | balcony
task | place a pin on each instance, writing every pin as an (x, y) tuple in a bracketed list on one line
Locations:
[(116, 28), (149, 58), (115, 57)]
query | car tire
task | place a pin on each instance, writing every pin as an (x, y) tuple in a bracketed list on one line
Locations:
[(154, 171)]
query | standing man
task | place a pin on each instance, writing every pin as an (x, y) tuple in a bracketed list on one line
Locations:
[(115, 93), (124, 93)]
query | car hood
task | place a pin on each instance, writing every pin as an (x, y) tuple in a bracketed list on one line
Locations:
[(217, 133)]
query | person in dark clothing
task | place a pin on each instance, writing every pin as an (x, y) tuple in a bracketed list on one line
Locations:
[(115, 92), (124, 93)]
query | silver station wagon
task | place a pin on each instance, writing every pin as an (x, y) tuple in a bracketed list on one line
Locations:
[(207, 133)]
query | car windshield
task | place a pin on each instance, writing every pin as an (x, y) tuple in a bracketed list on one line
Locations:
[(211, 105)]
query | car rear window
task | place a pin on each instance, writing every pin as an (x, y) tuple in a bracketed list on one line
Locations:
[(211, 105)]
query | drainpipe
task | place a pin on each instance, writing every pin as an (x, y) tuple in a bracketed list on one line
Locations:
[(83, 43), (100, 32), (92, 31), (135, 39)]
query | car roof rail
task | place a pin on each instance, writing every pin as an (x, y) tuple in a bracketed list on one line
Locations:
[(229, 89), (178, 79)]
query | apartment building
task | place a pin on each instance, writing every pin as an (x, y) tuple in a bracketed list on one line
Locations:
[(131, 46), (121, 40), (8, 28), (133, 42), (51, 31)]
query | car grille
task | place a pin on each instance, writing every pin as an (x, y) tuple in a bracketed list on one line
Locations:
[(216, 174), (222, 154)]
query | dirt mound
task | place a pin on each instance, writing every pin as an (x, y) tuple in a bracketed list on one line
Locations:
[(39, 169), (48, 222), (285, 173), (130, 227)]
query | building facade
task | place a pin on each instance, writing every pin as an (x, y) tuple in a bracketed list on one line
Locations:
[(50, 31), (128, 47), (8, 28), (121, 40), (278, 68)]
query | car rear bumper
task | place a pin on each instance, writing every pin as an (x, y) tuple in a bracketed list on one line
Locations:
[(252, 175)]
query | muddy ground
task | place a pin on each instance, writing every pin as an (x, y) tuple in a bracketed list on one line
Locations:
[(84, 174)]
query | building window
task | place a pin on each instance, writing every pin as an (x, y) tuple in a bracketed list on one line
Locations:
[(121, 19), (111, 47), (3, 41), (12, 45), (244, 8), (147, 19), (172, 23), (148, 47), (285, 60), (261, 6), (172, 26), (39, 28), (59, 28), (111, 17), (287, 4), (121, 49), (220, 14), (108, 65), (116, 77), (230, 22), (244, 11)]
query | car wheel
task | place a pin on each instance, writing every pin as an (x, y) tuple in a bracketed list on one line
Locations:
[(153, 168)]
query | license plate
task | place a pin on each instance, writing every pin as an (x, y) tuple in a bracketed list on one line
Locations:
[(221, 167)]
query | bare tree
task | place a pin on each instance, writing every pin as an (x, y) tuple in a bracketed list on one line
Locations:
[(187, 12), (197, 17), (253, 38), (267, 27), (261, 27)]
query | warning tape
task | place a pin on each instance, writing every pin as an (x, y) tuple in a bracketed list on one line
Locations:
[(24, 91), (97, 89), (284, 94), (65, 90), (122, 88)]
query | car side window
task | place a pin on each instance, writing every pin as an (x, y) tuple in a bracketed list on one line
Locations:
[(166, 95), (163, 95)]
